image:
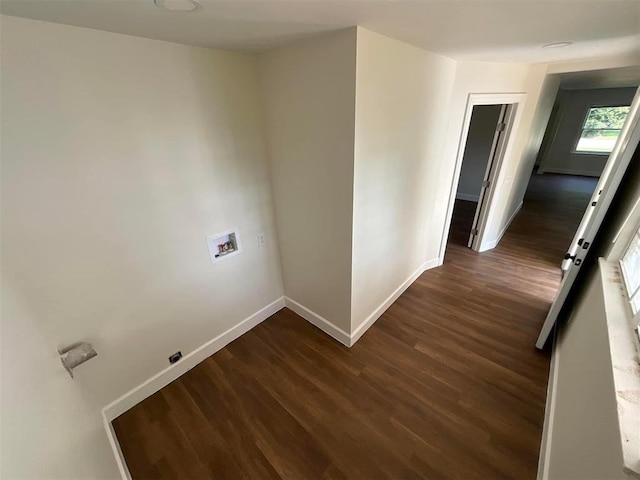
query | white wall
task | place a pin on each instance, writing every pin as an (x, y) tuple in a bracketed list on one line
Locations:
[(309, 92), (51, 427), (585, 437), (482, 128), (547, 88), (119, 156), (572, 108), (582, 400), (542, 118), (480, 77), (541, 83), (402, 97)]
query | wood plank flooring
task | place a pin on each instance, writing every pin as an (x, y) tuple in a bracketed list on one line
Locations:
[(446, 384)]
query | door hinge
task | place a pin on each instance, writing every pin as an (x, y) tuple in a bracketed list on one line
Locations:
[(474, 231), (500, 127), (486, 183)]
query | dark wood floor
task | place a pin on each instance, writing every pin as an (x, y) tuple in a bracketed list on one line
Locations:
[(446, 384)]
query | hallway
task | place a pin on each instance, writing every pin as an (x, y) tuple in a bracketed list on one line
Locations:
[(446, 384)]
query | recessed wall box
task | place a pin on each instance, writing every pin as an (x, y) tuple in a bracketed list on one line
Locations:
[(223, 245)]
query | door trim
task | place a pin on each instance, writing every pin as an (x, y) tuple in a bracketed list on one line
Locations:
[(489, 177), (515, 99)]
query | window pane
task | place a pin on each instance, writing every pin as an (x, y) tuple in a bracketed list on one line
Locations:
[(597, 141), (601, 129), (630, 264), (635, 304), (606, 118)]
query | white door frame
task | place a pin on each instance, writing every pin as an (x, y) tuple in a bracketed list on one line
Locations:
[(499, 139), (516, 101)]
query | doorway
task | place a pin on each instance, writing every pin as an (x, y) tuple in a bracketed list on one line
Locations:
[(485, 142), (477, 162)]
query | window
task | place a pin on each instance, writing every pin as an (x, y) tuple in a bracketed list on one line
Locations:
[(601, 129), (630, 267)]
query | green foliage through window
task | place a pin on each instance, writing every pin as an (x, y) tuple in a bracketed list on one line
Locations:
[(606, 117), (601, 129)]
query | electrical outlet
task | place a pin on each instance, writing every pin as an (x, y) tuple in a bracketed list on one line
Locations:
[(261, 239), (175, 357)]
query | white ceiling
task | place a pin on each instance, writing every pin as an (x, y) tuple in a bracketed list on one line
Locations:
[(484, 30)]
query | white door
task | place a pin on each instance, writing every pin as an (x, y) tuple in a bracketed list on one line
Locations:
[(595, 213), (488, 174)]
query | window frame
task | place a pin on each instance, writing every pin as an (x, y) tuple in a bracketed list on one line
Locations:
[(574, 149), (625, 281)]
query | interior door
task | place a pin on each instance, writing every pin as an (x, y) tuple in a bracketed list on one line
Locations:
[(595, 213), (499, 132), (605, 179)]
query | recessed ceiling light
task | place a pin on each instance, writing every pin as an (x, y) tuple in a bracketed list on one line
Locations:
[(557, 44), (179, 5)]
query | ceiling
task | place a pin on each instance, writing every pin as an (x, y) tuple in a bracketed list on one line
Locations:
[(608, 78), (482, 30)]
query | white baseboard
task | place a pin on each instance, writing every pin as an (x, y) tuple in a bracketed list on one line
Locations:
[(511, 219), (169, 374), (340, 335), (549, 415), (377, 313), (429, 264), (322, 323), (580, 173), (494, 243), (467, 197)]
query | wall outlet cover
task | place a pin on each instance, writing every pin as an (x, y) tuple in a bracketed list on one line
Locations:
[(175, 357)]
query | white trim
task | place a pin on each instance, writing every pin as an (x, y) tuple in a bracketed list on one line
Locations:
[(350, 339), (512, 126), (623, 352), (169, 374), (494, 243), (506, 146), (576, 140), (466, 197), (549, 415), (625, 234), (497, 144), (322, 323), (580, 173), (115, 446), (377, 313)]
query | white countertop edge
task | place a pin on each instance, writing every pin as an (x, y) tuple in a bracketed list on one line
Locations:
[(625, 359)]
